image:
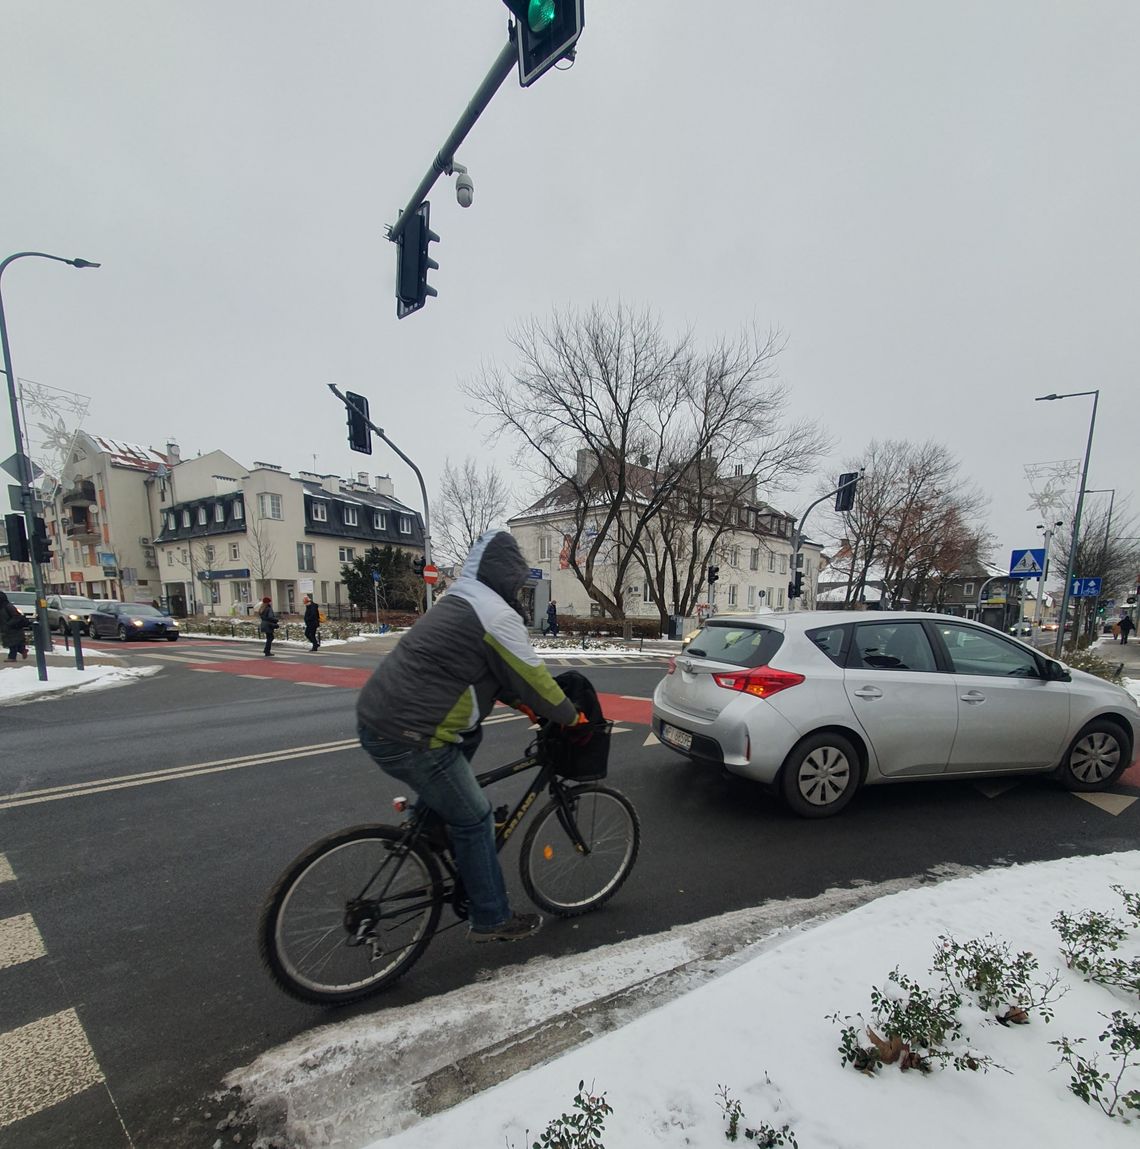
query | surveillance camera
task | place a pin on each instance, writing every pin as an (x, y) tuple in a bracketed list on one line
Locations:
[(464, 189)]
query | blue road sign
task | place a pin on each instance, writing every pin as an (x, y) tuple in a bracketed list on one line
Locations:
[(1027, 563), (375, 576), (1085, 588)]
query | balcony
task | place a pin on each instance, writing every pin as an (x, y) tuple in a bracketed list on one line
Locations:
[(82, 493), (82, 532)]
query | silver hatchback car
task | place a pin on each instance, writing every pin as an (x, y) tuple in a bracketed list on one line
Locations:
[(815, 704)]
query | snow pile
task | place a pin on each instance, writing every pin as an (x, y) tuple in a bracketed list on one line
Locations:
[(21, 683)]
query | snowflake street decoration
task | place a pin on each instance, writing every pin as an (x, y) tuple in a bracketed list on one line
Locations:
[(52, 419), (1051, 485)]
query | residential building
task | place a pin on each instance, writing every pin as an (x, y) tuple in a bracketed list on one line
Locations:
[(230, 535), (754, 551)]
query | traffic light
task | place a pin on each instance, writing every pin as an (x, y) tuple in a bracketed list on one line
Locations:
[(413, 262), (845, 496), (547, 31), (418, 564), (41, 541), (359, 433), (17, 539), (796, 586), (714, 574)]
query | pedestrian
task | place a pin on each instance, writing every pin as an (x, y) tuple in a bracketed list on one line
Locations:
[(1126, 628), (12, 627), (269, 623), (552, 618), (312, 621)]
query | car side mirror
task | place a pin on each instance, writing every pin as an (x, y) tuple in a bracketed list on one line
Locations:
[(1055, 672)]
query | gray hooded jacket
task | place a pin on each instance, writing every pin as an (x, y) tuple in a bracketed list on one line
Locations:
[(471, 648)]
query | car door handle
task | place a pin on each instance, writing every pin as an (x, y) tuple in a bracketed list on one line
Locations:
[(973, 697), (868, 692)]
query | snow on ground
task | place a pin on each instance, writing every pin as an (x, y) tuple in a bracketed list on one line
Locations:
[(761, 1031), (21, 683)]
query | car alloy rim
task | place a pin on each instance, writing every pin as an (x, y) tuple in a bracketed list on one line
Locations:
[(1095, 757), (824, 775)]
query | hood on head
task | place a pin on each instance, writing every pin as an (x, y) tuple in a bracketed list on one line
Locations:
[(496, 561)]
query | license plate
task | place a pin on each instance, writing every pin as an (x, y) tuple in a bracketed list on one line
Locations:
[(682, 739)]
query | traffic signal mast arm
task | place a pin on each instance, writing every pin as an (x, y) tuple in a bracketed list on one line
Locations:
[(363, 415), (798, 535)]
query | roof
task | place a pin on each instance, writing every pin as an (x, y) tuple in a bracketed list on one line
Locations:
[(131, 455)]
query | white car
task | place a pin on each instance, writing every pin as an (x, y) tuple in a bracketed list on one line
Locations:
[(816, 704)]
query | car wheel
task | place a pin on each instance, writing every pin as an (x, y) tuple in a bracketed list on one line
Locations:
[(1098, 756), (172, 638), (122, 633), (820, 776)]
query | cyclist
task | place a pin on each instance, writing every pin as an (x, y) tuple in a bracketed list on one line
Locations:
[(419, 716)]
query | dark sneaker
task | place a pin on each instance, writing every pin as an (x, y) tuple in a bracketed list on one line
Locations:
[(515, 927)]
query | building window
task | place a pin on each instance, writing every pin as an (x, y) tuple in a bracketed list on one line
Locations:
[(379, 521), (235, 551), (405, 524), (239, 510), (320, 511), (780, 597), (219, 512), (171, 522), (201, 516), (646, 593), (732, 594), (210, 556), (734, 556), (213, 593), (269, 506), (772, 562), (543, 548), (968, 588), (305, 561), (783, 564), (185, 557), (347, 554), (350, 516), (170, 558), (751, 596), (754, 559), (186, 519)]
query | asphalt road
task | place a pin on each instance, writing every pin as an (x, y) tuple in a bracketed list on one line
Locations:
[(145, 891)]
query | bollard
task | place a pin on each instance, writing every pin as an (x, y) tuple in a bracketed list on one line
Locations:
[(77, 627)]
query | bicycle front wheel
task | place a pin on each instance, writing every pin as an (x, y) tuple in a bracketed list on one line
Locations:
[(558, 875), (350, 915)]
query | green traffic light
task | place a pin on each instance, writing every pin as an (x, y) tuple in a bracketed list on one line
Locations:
[(541, 14)]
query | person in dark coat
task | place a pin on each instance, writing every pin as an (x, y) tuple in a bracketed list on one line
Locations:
[(312, 621), (12, 627), (268, 623), (552, 618), (1126, 629)]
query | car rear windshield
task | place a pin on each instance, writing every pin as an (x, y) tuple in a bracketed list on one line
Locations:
[(76, 603), (739, 644), (21, 598)]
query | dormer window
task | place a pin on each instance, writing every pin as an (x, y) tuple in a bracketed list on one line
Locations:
[(201, 516), (320, 512), (219, 512), (186, 519), (350, 516)]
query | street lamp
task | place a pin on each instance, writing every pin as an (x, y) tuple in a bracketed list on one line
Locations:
[(1076, 517), (23, 464), (1049, 530)]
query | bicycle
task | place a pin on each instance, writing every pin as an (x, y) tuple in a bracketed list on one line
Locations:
[(356, 910)]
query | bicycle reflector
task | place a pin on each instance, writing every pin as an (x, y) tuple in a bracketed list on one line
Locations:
[(762, 682), (399, 804)]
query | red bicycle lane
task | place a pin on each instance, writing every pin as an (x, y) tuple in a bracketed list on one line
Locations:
[(619, 707)]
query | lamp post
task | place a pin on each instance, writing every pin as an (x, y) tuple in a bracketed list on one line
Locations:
[(1049, 530), (1076, 517), (23, 464)]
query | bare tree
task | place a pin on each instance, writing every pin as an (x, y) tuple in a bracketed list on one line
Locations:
[(469, 503), (262, 552), (615, 420)]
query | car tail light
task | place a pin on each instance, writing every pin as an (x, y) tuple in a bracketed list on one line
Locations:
[(763, 681), (672, 664)]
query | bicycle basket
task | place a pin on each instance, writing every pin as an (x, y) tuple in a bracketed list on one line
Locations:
[(578, 753)]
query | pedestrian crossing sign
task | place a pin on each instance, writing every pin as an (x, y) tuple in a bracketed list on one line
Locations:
[(1027, 563)]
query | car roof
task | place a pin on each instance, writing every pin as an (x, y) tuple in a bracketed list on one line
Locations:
[(807, 619)]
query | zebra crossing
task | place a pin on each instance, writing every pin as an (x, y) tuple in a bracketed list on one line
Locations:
[(45, 1060)]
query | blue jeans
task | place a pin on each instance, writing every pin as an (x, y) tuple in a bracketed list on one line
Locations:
[(444, 781)]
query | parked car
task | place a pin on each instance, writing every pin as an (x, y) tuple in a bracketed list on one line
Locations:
[(1050, 626), (1022, 629), (816, 704), (24, 601), (128, 620), (65, 609)]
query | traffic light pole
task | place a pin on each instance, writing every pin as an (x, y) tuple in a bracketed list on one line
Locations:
[(492, 82), (423, 489), (798, 537)]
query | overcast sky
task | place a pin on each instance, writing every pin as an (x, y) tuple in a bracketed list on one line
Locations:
[(937, 204)]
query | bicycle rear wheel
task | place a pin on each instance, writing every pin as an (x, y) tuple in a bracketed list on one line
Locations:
[(350, 915), (557, 875)]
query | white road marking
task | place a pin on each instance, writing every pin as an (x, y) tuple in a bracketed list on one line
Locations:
[(43, 1063), (652, 740), (20, 941), (1113, 804), (6, 874)]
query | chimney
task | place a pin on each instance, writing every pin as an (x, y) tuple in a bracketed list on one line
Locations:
[(362, 478), (173, 453), (587, 464), (384, 486)]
